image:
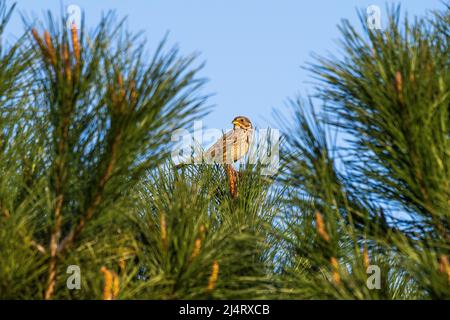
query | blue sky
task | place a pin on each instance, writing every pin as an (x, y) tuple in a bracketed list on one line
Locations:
[(254, 49)]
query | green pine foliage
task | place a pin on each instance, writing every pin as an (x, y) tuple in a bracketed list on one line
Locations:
[(86, 178)]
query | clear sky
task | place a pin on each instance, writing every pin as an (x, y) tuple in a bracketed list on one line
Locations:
[(254, 49)]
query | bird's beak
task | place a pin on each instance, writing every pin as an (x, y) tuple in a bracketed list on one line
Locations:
[(235, 122)]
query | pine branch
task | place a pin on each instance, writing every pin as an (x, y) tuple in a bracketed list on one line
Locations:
[(6, 213), (96, 200)]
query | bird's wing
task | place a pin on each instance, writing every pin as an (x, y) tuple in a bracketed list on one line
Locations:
[(231, 147), (215, 152)]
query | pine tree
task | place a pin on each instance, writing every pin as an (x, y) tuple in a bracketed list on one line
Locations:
[(382, 197), (86, 177)]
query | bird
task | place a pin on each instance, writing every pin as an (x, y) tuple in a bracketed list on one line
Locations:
[(233, 145), (230, 148)]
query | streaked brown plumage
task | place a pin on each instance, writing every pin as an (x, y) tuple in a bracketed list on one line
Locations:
[(233, 145)]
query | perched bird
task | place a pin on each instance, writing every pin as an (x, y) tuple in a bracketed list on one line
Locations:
[(233, 145)]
